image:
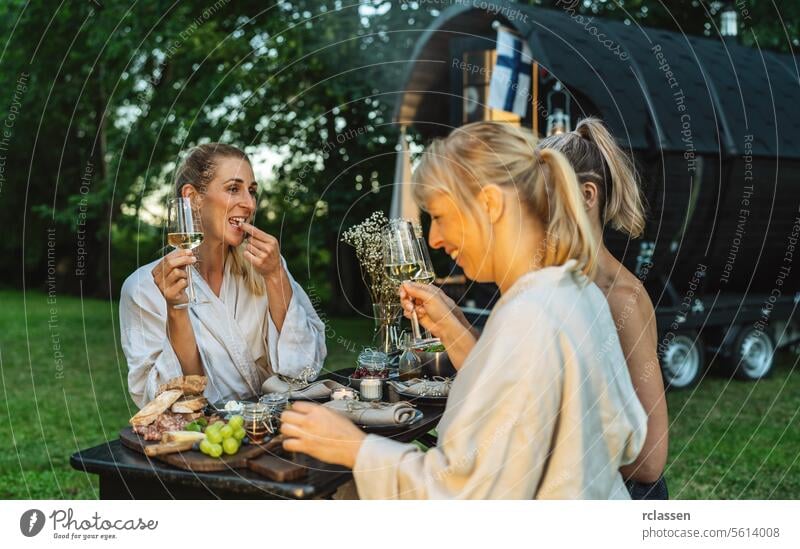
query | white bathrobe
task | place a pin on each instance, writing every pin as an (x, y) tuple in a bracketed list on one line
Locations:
[(238, 342), (543, 407)]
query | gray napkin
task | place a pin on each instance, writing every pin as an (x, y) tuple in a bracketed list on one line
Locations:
[(316, 390), (374, 413), (437, 387)]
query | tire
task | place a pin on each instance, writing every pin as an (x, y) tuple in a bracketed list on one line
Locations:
[(682, 361), (752, 354)]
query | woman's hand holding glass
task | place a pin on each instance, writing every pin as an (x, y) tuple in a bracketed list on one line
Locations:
[(441, 316), (184, 232), (171, 277)]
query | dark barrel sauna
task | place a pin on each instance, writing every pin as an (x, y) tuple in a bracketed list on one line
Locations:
[(715, 130)]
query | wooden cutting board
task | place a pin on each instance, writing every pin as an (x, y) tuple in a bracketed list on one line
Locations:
[(276, 467), (194, 460)]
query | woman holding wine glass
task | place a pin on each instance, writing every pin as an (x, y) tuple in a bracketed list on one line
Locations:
[(608, 183), (542, 406), (223, 304)]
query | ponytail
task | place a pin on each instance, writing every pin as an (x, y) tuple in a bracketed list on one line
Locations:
[(623, 204), (569, 234)]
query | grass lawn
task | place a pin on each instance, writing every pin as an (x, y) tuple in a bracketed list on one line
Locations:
[(728, 439)]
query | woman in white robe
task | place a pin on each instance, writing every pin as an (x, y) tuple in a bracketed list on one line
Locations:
[(253, 321), (542, 406)]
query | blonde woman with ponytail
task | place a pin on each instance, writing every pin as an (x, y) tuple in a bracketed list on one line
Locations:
[(255, 320), (542, 406), (607, 180)]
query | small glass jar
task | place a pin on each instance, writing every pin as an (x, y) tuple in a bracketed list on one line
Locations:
[(371, 389), (275, 404), (256, 421), (373, 361), (344, 393)]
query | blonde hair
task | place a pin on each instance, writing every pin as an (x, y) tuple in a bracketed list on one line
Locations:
[(198, 169), (596, 156), (499, 153)]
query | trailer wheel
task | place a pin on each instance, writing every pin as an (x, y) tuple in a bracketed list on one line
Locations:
[(682, 360), (752, 354)]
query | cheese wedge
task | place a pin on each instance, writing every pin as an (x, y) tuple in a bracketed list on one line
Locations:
[(182, 436)]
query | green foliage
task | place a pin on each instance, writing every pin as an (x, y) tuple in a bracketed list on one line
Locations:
[(105, 99), (115, 95), (735, 440)]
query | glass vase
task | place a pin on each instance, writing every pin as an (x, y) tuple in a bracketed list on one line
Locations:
[(386, 336)]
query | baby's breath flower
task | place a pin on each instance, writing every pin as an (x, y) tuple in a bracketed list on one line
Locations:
[(366, 238)]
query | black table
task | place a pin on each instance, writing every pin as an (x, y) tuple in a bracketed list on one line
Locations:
[(126, 474)]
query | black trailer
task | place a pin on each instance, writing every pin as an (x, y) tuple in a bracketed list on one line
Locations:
[(715, 130)]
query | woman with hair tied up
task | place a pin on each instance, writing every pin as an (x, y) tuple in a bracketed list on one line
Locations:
[(542, 406), (255, 320), (610, 190)]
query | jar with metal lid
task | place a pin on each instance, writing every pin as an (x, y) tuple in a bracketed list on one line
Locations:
[(256, 421), (276, 403), (373, 361)]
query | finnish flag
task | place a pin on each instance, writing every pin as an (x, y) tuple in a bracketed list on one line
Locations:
[(511, 77)]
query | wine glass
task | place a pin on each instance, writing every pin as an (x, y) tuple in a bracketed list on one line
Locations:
[(427, 274), (185, 232), (404, 260)]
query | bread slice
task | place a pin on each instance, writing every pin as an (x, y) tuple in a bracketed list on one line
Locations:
[(187, 405), (155, 407), (188, 385)]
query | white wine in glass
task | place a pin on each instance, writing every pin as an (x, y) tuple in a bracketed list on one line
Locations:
[(404, 260), (400, 272), (185, 232), (424, 277), (185, 241)]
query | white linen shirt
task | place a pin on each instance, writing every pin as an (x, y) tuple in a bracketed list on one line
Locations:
[(543, 407), (238, 342)]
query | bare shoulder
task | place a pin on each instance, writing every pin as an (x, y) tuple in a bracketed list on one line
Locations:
[(628, 300), (635, 321)]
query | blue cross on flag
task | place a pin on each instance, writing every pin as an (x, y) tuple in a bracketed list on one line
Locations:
[(511, 77)]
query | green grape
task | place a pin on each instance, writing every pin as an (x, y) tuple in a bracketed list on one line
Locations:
[(236, 421), (214, 436), (226, 432), (230, 446), (215, 451), (239, 433), (205, 446)]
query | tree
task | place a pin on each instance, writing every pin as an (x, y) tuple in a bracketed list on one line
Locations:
[(102, 98)]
